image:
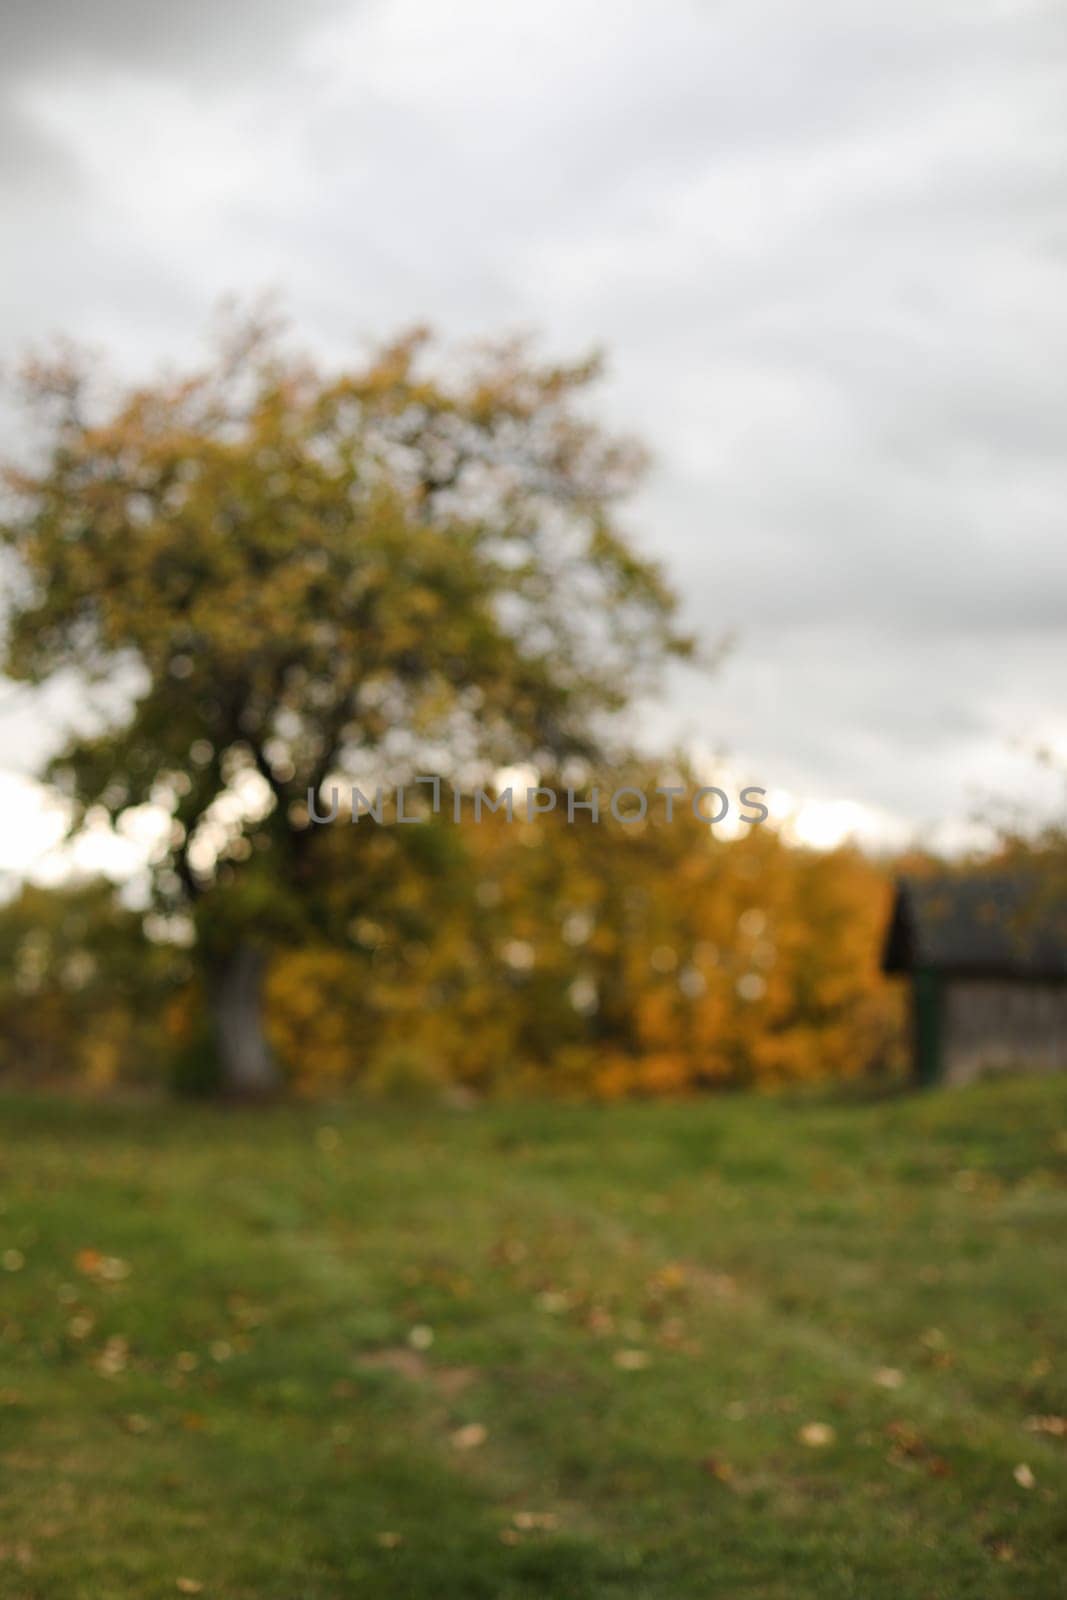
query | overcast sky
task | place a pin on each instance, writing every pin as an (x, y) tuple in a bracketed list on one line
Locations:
[(823, 245)]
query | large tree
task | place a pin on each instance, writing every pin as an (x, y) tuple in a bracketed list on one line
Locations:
[(283, 572)]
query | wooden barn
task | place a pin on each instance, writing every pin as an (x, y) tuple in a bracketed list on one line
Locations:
[(987, 960)]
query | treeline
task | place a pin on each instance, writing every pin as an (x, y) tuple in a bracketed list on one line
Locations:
[(519, 957)]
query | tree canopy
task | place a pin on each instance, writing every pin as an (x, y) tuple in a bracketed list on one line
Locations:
[(292, 569)]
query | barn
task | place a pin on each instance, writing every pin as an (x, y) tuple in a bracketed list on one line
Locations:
[(986, 956)]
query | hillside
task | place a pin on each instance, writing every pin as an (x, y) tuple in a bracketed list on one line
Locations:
[(741, 1346)]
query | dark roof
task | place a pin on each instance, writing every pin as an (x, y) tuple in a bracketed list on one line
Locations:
[(1008, 924)]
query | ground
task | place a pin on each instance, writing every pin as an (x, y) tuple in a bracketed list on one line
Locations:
[(742, 1347)]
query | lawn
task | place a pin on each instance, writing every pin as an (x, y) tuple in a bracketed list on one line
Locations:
[(734, 1348)]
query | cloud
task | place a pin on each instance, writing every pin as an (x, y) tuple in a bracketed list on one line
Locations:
[(825, 248), (50, 38)]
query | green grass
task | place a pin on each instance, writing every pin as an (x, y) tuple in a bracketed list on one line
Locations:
[(643, 1307)]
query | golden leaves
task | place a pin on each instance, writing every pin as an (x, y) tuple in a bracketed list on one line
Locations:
[(676, 1025)]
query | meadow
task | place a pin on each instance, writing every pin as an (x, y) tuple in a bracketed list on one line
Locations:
[(738, 1346)]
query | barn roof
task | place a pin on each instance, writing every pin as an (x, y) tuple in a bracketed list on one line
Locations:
[(1008, 924)]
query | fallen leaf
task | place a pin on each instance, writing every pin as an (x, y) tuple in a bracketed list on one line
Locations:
[(631, 1360), (554, 1302), (720, 1284), (527, 1520), (112, 1269), (399, 1359), (717, 1468), (1055, 1426), (1023, 1476), (112, 1358), (816, 1435), (188, 1586), (671, 1276), (889, 1378), (907, 1440), (470, 1436)]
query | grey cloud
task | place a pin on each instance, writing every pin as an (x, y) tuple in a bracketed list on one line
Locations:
[(825, 248), (47, 37), (34, 166)]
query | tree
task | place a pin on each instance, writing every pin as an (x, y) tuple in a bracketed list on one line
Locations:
[(82, 991), (292, 573)]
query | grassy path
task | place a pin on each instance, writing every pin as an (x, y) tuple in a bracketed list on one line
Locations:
[(733, 1349)]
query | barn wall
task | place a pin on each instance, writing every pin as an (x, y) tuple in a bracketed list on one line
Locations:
[(999, 1026)]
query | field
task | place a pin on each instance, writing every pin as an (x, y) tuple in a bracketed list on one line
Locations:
[(741, 1347)]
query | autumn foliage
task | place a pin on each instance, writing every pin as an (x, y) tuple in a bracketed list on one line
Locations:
[(500, 958), (606, 961)]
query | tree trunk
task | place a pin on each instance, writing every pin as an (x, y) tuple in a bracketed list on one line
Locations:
[(249, 1069)]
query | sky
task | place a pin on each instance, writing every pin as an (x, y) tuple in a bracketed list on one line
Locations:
[(823, 247)]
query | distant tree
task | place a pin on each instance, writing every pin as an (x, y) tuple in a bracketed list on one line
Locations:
[(290, 569), (82, 992)]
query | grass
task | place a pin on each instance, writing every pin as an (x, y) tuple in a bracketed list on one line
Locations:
[(317, 1353)]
